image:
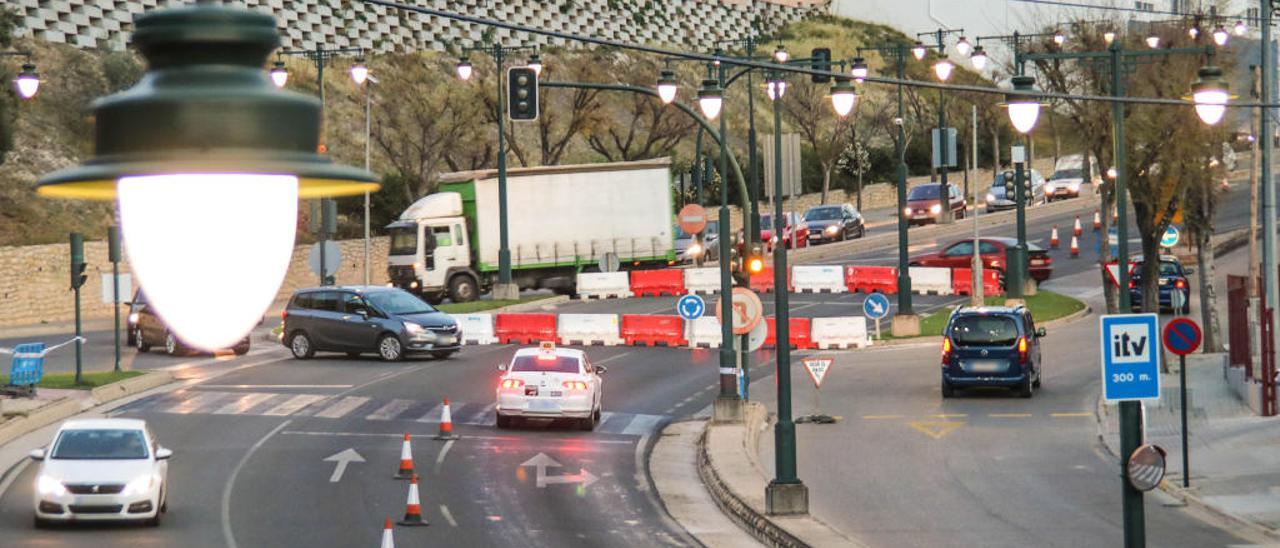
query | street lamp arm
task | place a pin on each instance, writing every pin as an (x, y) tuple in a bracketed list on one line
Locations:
[(711, 130)]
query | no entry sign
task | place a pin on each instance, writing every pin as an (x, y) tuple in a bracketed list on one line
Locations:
[(1182, 336)]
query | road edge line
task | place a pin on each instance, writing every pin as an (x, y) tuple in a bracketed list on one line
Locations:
[(227, 533)]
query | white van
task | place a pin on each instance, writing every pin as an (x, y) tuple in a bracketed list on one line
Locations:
[(1069, 178)]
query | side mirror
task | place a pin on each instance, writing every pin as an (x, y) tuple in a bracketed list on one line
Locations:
[(163, 453), (36, 454), (601, 369), (502, 367), (1040, 332), (1189, 270), (363, 312)]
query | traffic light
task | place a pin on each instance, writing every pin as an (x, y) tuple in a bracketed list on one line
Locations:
[(522, 93), (755, 260), (78, 265), (821, 58)]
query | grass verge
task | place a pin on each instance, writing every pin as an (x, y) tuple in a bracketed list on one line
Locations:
[(87, 380), (478, 306), (1044, 305)]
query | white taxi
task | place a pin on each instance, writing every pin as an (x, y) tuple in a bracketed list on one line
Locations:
[(549, 382)]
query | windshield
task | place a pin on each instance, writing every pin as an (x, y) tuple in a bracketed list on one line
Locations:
[(557, 364), (766, 222), (1067, 174), (713, 228), (404, 240), (822, 214), (398, 302), (983, 330), (925, 192), (682, 235), (1167, 268), (100, 444)]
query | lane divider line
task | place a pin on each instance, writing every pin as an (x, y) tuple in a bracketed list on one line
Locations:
[(444, 451), (444, 511), (424, 436), (231, 481), (1067, 415), (1009, 415)]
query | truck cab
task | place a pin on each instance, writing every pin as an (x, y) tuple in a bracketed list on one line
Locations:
[(430, 254)]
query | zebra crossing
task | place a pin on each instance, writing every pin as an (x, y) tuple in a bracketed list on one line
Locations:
[(275, 404)]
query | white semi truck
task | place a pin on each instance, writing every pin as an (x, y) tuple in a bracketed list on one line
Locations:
[(562, 220)]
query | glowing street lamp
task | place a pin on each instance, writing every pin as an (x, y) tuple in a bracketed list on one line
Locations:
[(535, 63), (193, 184), (464, 69), (843, 96), (963, 47), (1109, 36), (1024, 107), (359, 72), (780, 54), (1153, 41), (279, 75), (979, 58), (775, 86), (918, 50), (1193, 32), (1059, 38), (1210, 94), (667, 86), (28, 82), (942, 69), (710, 99), (1241, 28), (1221, 36), (859, 70)]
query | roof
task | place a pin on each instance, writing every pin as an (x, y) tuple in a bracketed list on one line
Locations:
[(534, 351), (104, 424), (988, 309), (461, 176), (1169, 258), (357, 288)]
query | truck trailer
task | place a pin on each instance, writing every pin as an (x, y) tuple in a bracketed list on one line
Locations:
[(562, 220)]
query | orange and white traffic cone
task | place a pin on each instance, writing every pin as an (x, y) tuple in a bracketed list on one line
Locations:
[(1077, 231), (1053, 238), (406, 460), (446, 423), (1097, 220), (387, 540), (1075, 247), (413, 507)]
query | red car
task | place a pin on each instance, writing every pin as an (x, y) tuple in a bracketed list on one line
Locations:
[(924, 206), (992, 250), (794, 232)]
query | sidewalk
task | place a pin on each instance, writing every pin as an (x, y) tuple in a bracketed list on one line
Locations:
[(1234, 472)]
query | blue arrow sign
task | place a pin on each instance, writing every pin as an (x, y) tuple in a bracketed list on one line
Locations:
[(875, 306), (1130, 359), (691, 307), (1170, 237)]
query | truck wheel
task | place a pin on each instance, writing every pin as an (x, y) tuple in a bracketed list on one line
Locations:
[(433, 298), (462, 288)]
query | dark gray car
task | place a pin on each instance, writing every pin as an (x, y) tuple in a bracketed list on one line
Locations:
[(386, 320)]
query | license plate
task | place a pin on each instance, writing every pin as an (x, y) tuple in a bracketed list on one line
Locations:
[(447, 340), (984, 366), (543, 405), (1037, 262), (531, 391), (556, 393)]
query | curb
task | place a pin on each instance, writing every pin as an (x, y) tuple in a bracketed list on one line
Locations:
[(128, 387), (756, 524), (531, 305), (64, 407)]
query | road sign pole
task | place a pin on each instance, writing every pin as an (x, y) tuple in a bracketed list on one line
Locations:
[(113, 254), (1186, 455), (1130, 439)]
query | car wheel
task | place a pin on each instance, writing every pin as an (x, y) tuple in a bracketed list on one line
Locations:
[(40, 523), (389, 348), (172, 346), (503, 421), (153, 522), (1036, 384), (462, 289), (140, 342), (862, 230), (588, 424), (242, 349), (1025, 390), (300, 346), (443, 354), (947, 390)]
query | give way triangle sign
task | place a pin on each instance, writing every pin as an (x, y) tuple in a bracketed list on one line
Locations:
[(818, 368)]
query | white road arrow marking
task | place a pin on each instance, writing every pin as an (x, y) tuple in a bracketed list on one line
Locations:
[(343, 458), (541, 462)]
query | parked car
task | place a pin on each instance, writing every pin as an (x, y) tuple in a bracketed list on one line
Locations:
[(924, 205), (994, 346), (1173, 278), (993, 251), (389, 321), (1069, 178), (688, 249), (829, 223), (795, 233), (1000, 197), (101, 470), (146, 329)]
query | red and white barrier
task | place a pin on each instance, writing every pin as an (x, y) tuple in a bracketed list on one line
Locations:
[(763, 281), (841, 332), (652, 330), (475, 328), (586, 329), (702, 281), (655, 283), (604, 285), (818, 279), (524, 328), (870, 279), (798, 333), (930, 280), (962, 282), (704, 332)]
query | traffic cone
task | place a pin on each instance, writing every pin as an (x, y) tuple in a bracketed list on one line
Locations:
[(446, 423), (1097, 220), (413, 507), (1053, 238), (387, 540), (406, 460), (1075, 247), (1077, 231)]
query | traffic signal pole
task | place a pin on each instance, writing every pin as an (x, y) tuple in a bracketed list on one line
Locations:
[(77, 280)]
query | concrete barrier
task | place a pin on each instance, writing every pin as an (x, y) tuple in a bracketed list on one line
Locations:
[(818, 279), (667, 281), (930, 280), (589, 329), (704, 332), (128, 387), (841, 332), (603, 285), (701, 281), (54, 411), (476, 328)]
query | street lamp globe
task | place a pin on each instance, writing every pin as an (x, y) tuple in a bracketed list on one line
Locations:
[(918, 50), (1221, 36), (843, 97), (359, 72), (1210, 95), (859, 71), (535, 63), (710, 99), (775, 87), (942, 69), (1111, 173), (780, 54), (1153, 41), (667, 86), (1109, 36), (963, 47), (28, 82), (464, 69), (1059, 38), (1193, 32), (196, 186), (1241, 28), (979, 58), (1024, 107), (279, 75)]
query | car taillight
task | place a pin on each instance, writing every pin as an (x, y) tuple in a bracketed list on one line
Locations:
[(1047, 260), (575, 385), (946, 350), (284, 314), (1180, 284), (510, 384), (1131, 284), (1022, 350)]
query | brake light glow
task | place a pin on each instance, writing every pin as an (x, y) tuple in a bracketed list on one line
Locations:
[(284, 314), (511, 384), (946, 350), (1180, 284), (1022, 350), (575, 385), (1131, 284)]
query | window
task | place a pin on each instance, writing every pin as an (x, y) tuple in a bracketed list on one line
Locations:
[(925, 192), (457, 234), (959, 250), (100, 444), (987, 248), (443, 238), (1144, 6), (398, 302), (822, 214), (558, 364), (324, 300), (984, 330), (404, 240), (353, 304)]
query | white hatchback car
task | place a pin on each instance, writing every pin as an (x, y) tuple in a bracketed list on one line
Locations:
[(99, 470), (549, 382)]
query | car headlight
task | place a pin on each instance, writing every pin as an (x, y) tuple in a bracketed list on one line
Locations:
[(991, 197), (936, 209), (906, 211), (1075, 187), (133, 318), (50, 486), (139, 485), (832, 230), (413, 328), (1049, 187), (773, 240), (694, 250)]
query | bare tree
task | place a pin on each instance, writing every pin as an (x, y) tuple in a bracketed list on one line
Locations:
[(807, 106)]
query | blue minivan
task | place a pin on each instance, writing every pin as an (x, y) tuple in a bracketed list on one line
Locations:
[(991, 346), (389, 321)]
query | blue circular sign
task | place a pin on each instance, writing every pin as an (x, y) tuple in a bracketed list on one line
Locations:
[(1170, 237), (1182, 336), (691, 307), (875, 306)]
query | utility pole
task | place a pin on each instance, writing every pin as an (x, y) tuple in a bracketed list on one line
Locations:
[(77, 281), (976, 288), (1268, 195), (113, 254)]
